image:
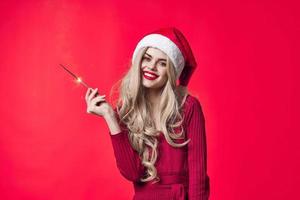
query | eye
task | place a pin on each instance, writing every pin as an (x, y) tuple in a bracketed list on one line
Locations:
[(146, 58), (163, 64)]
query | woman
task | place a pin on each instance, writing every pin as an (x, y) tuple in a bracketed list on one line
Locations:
[(158, 129)]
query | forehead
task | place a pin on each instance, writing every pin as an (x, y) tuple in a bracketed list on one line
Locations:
[(156, 52)]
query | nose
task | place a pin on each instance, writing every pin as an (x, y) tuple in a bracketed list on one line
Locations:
[(152, 66)]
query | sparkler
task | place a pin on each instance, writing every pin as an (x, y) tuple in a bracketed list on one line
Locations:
[(78, 79)]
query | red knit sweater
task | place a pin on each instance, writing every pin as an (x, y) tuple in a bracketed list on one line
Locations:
[(182, 171)]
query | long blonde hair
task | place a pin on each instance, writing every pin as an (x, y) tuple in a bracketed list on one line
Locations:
[(134, 111)]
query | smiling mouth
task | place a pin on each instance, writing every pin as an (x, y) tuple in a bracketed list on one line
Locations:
[(149, 75)]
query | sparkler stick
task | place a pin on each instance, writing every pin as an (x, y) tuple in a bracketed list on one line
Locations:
[(78, 79)]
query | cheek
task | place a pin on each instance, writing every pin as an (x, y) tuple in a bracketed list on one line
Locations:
[(164, 78), (164, 74), (143, 66)]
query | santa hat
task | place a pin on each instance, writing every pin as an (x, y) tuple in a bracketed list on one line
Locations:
[(173, 43)]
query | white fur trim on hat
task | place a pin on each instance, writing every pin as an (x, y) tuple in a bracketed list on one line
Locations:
[(167, 46)]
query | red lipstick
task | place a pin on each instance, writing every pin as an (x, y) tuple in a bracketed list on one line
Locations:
[(150, 75)]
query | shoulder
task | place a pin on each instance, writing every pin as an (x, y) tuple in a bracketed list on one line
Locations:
[(192, 107), (191, 102)]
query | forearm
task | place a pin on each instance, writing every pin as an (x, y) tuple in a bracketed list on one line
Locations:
[(112, 122), (127, 158)]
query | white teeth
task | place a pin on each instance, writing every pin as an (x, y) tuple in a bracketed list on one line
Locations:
[(151, 75)]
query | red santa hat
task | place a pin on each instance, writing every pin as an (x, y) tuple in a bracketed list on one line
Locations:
[(173, 43)]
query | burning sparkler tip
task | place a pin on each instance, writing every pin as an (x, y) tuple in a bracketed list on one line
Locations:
[(79, 80)]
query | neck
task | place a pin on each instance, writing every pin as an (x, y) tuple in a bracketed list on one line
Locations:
[(153, 96)]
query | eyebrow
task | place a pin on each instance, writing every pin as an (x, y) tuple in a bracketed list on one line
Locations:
[(158, 59)]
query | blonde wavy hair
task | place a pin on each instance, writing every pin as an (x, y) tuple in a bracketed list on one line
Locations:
[(134, 111)]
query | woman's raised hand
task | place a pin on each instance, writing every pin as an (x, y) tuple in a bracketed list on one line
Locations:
[(96, 104)]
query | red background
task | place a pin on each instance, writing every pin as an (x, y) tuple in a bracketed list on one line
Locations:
[(246, 80)]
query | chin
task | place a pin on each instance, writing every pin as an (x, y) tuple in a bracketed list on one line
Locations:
[(147, 84), (152, 84)]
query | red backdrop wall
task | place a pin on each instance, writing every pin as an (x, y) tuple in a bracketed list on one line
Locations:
[(246, 81)]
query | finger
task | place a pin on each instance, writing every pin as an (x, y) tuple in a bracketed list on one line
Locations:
[(92, 94), (94, 102), (97, 99), (87, 93)]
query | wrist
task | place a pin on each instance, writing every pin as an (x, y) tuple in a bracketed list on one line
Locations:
[(109, 114), (111, 120)]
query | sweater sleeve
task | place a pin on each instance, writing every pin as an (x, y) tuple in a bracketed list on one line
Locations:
[(199, 186), (127, 159)]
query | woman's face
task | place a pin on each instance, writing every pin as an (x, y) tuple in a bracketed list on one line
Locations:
[(154, 68)]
